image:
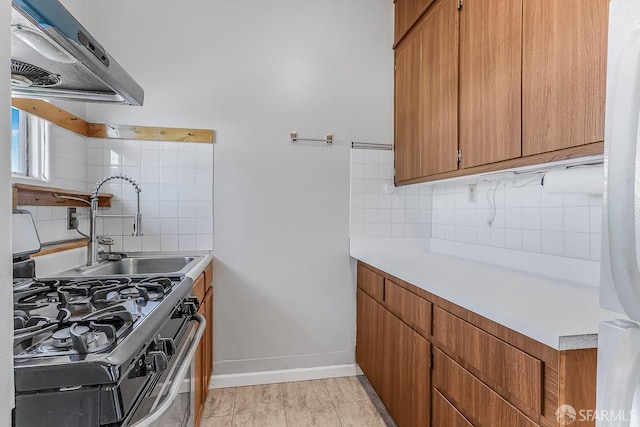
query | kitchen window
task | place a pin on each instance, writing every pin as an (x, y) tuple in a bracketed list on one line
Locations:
[(29, 146)]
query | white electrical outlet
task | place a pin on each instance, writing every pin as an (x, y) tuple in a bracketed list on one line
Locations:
[(472, 190)]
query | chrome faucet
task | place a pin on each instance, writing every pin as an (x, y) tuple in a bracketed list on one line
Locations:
[(92, 247)]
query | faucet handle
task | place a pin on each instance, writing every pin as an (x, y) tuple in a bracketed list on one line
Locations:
[(105, 240)]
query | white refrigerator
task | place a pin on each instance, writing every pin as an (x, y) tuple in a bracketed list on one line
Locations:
[(618, 383)]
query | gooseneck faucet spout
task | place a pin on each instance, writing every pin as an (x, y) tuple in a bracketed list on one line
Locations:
[(92, 247)]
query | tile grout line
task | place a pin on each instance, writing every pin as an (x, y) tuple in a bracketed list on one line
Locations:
[(333, 403)]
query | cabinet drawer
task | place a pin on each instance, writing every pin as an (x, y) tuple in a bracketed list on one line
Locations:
[(513, 373), (199, 288), (445, 414), (371, 282), (475, 401), (406, 13), (412, 309)]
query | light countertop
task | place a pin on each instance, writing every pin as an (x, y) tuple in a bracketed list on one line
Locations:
[(558, 313)]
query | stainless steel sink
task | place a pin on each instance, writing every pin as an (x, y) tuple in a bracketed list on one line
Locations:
[(137, 266)]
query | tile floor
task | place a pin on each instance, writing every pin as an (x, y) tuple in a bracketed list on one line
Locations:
[(334, 402)]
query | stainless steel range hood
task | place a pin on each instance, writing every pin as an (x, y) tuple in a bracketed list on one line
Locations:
[(53, 56)]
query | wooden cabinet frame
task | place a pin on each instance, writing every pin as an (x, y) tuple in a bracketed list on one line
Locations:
[(556, 377)]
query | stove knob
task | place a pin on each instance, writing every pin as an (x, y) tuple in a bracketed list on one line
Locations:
[(156, 361), (189, 308), (167, 345)]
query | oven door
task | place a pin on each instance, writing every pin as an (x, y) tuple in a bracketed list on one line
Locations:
[(170, 402)]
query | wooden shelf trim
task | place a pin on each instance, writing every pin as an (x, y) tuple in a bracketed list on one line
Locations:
[(150, 133), (78, 125), (52, 248), (35, 195)]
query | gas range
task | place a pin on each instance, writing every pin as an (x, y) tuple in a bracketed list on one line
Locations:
[(87, 352), (97, 352), (70, 318)]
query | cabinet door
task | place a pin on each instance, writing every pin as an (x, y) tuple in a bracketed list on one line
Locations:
[(408, 108), (406, 11), (204, 358), (490, 81), (438, 120), (407, 376), (369, 339), (563, 72)]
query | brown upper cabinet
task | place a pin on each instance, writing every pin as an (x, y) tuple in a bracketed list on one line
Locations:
[(486, 85), (490, 81), (563, 73), (426, 96)]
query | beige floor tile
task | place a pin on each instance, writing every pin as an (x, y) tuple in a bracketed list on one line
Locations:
[(345, 389), (217, 421), (312, 417), (260, 399), (273, 418), (305, 394), (359, 414), (220, 402)]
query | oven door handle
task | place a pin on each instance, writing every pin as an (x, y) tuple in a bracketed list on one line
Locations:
[(165, 404)]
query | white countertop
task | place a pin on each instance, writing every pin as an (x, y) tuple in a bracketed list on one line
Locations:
[(555, 312)]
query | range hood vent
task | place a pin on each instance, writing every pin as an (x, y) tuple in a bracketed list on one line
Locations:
[(54, 57), (27, 75)]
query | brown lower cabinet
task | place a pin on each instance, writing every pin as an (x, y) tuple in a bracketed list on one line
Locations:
[(203, 363), (434, 363)]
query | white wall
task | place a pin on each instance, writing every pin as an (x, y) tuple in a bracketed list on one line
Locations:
[(253, 71), (6, 309)]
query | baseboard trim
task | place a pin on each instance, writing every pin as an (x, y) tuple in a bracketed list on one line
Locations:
[(286, 375)]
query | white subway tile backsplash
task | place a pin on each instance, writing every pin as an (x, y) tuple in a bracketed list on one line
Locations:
[(187, 226), (149, 158), (498, 237), (513, 239), (552, 242), (204, 225), (168, 159), (397, 230), (204, 242), (169, 243), (151, 243), (577, 245), (371, 157), (552, 219), (532, 241), (576, 200), (371, 216), (370, 230), (168, 209), (596, 240), (513, 218), (576, 219), (169, 226), (384, 230), (595, 219)]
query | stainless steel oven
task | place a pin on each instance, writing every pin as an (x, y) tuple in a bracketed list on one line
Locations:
[(169, 400)]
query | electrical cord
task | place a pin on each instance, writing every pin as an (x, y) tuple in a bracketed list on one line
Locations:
[(492, 202)]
